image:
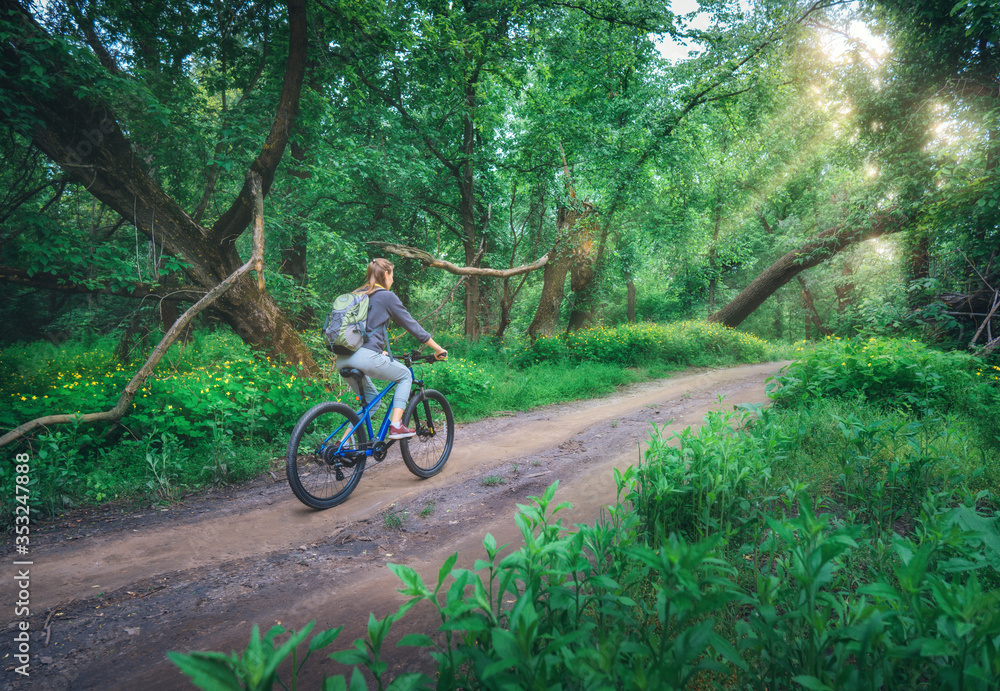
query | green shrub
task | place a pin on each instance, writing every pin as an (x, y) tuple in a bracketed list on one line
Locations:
[(684, 344), (893, 372)]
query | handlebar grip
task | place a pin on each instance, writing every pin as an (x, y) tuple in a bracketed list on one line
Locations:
[(417, 357)]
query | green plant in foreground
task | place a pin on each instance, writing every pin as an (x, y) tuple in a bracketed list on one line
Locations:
[(164, 466), (257, 668)]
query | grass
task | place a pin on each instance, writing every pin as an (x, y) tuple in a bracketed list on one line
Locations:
[(491, 481), (216, 412), (394, 520)]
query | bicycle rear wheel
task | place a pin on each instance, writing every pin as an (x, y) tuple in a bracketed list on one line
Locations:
[(319, 475), (430, 416)]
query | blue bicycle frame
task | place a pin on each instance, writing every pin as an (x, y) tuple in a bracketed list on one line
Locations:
[(366, 418)]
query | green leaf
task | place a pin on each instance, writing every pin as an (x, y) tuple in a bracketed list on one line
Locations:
[(419, 640), (358, 681), (445, 569), (286, 648), (209, 671), (880, 589), (337, 683), (409, 682), (811, 683), (413, 584), (324, 638)]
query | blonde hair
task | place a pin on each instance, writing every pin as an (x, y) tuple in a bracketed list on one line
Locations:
[(375, 275)]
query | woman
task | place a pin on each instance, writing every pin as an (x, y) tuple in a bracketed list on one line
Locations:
[(372, 358)]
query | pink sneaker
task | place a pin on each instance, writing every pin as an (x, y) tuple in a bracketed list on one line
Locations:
[(400, 432)]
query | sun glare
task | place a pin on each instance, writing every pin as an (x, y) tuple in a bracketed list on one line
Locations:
[(838, 44)]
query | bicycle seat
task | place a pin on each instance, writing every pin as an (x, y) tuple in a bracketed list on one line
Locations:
[(352, 373)]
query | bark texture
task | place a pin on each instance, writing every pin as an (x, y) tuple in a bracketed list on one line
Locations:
[(561, 259)]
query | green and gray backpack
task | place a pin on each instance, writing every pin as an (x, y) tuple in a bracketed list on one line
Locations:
[(346, 327)]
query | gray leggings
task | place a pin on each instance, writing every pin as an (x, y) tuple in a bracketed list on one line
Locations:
[(375, 364)]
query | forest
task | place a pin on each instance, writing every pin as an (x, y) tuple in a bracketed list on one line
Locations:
[(576, 194)]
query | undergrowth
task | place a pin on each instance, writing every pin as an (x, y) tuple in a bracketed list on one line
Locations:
[(835, 540), (216, 412)]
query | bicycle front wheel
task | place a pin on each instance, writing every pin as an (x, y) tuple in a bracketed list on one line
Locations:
[(430, 416), (320, 475)]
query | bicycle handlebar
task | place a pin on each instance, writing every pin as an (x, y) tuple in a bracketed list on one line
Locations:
[(415, 356)]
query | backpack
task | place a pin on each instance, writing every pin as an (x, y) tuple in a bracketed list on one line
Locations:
[(346, 327)]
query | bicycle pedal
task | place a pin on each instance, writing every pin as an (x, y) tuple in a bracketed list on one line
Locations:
[(339, 474)]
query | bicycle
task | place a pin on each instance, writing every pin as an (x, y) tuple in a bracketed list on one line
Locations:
[(332, 442)]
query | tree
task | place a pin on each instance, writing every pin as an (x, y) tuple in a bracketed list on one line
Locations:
[(433, 80), (60, 99), (818, 250)]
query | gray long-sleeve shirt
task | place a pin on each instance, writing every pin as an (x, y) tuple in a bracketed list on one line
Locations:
[(383, 305)]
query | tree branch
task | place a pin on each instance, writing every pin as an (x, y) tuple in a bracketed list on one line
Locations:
[(60, 184), (140, 377), (236, 219), (429, 261), (86, 25)]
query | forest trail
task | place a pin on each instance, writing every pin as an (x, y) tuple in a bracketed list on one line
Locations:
[(112, 593)]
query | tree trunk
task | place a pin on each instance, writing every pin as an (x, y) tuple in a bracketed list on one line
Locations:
[(818, 250), (812, 314), (561, 258), (81, 134), (713, 281), (553, 291), (778, 318), (630, 300), (471, 301), (845, 289), (582, 269)]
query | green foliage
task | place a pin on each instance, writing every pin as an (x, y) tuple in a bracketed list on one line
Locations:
[(257, 668), (201, 419), (894, 372), (821, 543), (709, 482), (681, 344), (461, 379)]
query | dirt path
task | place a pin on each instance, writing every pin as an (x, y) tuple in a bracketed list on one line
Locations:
[(112, 593)]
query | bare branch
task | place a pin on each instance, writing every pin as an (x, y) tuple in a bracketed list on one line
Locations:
[(429, 261), (986, 321), (140, 377)]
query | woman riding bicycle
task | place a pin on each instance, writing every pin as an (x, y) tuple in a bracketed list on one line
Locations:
[(372, 358)]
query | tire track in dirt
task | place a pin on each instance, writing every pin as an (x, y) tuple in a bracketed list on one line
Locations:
[(199, 576)]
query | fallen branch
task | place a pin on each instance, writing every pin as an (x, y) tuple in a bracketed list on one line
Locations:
[(429, 261), (126, 397), (989, 316)]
